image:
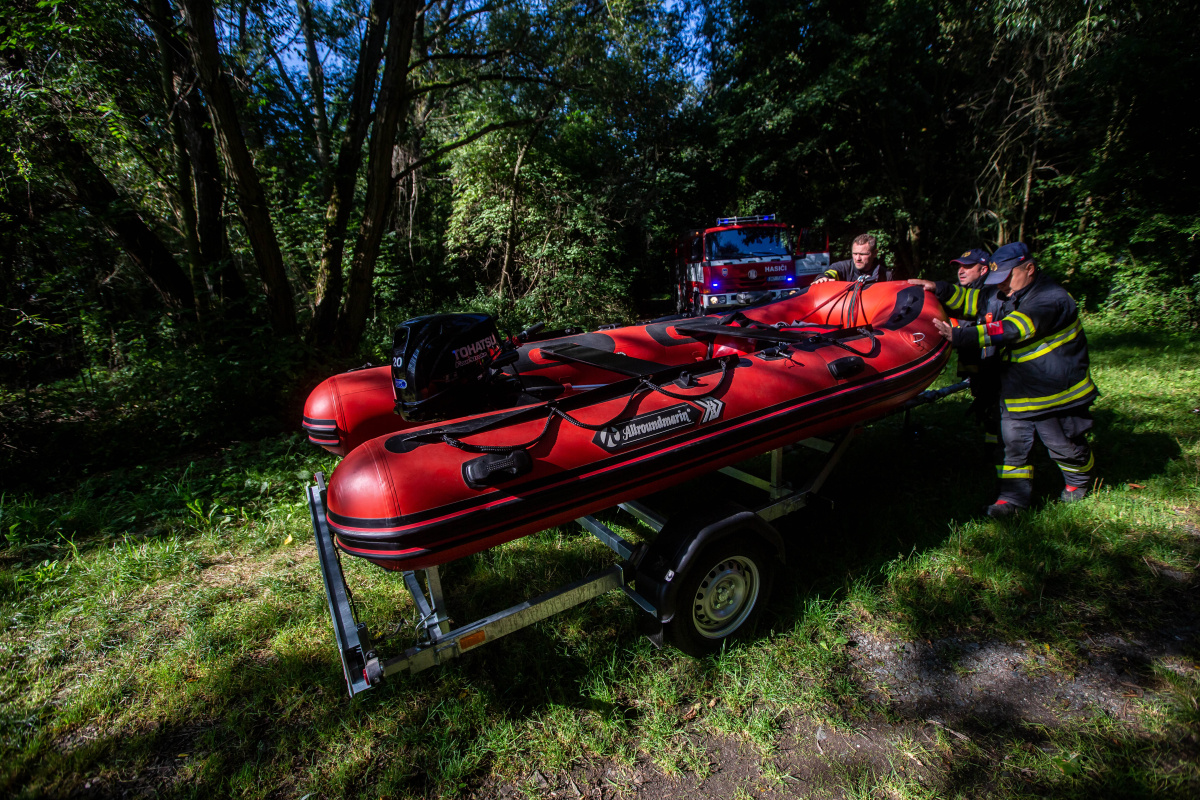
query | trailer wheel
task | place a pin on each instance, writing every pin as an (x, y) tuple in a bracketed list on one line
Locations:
[(721, 595)]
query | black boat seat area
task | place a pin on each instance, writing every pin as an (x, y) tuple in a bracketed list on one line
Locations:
[(708, 330), (613, 362)]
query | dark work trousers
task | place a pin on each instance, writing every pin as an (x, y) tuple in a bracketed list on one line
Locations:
[(1065, 436), (985, 405)]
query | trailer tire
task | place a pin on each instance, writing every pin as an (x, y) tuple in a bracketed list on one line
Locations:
[(722, 594)]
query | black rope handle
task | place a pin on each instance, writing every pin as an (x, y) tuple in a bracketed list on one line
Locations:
[(552, 412), (827, 302), (496, 448), (555, 411), (870, 334), (724, 371)]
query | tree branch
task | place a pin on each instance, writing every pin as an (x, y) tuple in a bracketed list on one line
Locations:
[(433, 87), (459, 57), (441, 151)]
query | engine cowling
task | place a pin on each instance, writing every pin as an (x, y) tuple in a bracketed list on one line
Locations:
[(440, 365)]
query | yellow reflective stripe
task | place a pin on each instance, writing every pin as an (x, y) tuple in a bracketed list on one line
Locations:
[(956, 299), (830, 273), (1022, 473), (1091, 462), (1046, 345), (965, 301), (1081, 389), (971, 302), (981, 332), (991, 438), (1023, 322)]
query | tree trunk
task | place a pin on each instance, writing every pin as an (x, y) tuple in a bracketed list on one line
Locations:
[(120, 219), (202, 41), (510, 240), (1028, 187), (201, 184), (341, 195), (96, 193), (227, 282), (390, 108), (168, 69), (316, 79)]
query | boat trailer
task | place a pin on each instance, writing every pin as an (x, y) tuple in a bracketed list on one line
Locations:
[(702, 580)]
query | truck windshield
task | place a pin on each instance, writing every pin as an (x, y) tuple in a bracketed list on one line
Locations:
[(746, 242)]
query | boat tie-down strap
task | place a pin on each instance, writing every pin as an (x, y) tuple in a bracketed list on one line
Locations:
[(632, 386), (781, 335), (613, 362)]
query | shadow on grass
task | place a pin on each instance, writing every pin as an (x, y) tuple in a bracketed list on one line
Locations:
[(241, 711), (281, 715)]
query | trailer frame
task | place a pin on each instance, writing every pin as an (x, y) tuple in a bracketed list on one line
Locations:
[(364, 667)]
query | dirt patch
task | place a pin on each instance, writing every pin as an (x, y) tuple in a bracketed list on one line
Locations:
[(952, 681), (940, 707), (812, 760)]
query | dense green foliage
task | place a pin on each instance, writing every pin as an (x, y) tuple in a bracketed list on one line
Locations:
[(543, 154)]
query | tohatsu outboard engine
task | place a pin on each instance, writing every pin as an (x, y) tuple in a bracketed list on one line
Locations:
[(445, 365)]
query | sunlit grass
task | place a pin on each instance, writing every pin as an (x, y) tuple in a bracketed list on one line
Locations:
[(166, 628)]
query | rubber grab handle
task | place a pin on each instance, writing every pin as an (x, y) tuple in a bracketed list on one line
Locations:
[(493, 468)]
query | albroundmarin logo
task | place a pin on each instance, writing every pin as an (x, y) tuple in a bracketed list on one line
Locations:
[(648, 426)]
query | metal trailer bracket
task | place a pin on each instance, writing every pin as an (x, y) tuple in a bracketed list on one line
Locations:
[(352, 638), (361, 665), (453, 643)]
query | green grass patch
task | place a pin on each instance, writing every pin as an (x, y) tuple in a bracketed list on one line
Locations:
[(165, 627)]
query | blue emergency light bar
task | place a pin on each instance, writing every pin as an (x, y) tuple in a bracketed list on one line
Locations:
[(741, 220)]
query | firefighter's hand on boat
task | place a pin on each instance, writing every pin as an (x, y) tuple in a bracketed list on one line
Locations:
[(823, 279), (942, 326), (929, 285)]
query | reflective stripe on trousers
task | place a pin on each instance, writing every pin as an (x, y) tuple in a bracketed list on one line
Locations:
[(1065, 438)]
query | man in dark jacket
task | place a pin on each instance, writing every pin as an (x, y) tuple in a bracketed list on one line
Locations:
[(981, 367), (1045, 386), (863, 264)]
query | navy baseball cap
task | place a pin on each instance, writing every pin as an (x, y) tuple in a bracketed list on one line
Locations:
[(1004, 259), (972, 257)]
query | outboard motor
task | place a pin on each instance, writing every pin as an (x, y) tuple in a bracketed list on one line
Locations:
[(443, 365)]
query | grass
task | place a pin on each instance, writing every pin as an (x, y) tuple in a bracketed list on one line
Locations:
[(166, 630)]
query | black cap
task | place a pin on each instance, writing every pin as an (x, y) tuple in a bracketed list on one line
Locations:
[(1003, 260), (972, 257)]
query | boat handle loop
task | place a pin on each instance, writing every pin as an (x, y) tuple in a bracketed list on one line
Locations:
[(870, 353), (724, 372)]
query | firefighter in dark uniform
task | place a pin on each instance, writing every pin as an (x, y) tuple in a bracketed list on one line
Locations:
[(863, 264), (981, 367), (1046, 389)]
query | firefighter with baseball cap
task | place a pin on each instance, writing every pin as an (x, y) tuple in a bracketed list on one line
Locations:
[(1046, 389), (981, 366)]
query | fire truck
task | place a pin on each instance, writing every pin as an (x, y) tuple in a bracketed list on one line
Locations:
[(743, 261)]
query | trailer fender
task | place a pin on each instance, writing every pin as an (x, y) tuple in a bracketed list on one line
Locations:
[(683, 538)]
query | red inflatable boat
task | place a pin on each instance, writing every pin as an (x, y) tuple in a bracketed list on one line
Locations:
[(348, 409), (580, 423)]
